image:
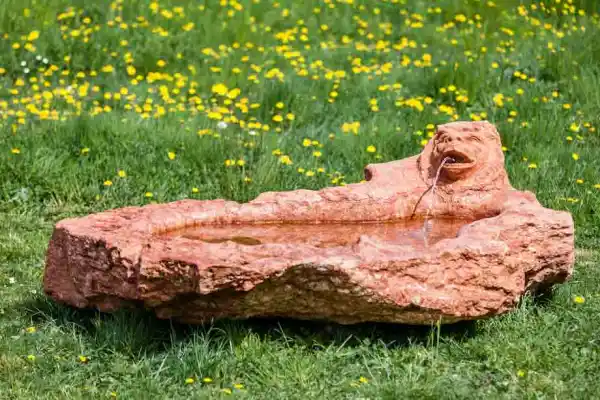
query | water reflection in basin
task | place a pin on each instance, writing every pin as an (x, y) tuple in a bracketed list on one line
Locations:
[(325, 234)]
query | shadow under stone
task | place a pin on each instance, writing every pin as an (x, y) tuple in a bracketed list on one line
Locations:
[(138, 331), (541, 298)]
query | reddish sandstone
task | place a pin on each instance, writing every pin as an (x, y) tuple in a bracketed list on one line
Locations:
[(347, 254)]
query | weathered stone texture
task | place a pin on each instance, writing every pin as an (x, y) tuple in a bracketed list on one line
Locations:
[(301, 253)]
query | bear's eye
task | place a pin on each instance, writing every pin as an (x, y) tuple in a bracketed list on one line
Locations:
[(443, 138)]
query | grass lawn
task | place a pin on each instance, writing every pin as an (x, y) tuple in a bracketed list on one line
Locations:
[(110, 104)]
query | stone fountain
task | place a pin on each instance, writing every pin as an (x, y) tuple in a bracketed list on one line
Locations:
[(438, 236)]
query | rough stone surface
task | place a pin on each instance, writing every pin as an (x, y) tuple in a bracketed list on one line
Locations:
[(327, 254)]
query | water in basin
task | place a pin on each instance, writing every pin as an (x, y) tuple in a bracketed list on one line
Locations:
[(325, 234)]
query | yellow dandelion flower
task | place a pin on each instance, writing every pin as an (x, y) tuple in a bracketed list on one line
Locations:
[(286, 160), (575, 156), (207, 379), (597, 186), (83, 359), (195, 190), (362, 379), (371, 149), (574, 127), (241, 163), (15, 150), (189, 381), (31, 357), (171, 155), (567, 106), (521, 373), (317, 153), (149, 195), (499, 99), (30, 329), (532, 166), (161, 63), (351, 127), (219, 89), (238, 386), (233, 93), (107, 68), (277, 118), (290, 116), (108, 182), (226, 391), (33, 35), (579, 299)]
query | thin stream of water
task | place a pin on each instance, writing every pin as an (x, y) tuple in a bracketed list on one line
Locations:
[(427, 225)]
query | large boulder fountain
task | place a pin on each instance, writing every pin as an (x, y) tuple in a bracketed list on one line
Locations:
[(438, 236)]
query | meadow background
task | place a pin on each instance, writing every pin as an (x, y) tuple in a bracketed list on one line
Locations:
[(108, 104)]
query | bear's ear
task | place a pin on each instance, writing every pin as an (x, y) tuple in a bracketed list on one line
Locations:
[(490, 130)]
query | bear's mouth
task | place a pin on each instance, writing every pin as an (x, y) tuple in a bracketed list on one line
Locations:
[(457, 160)]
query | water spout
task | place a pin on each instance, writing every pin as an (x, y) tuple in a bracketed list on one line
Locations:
[(427, 225)]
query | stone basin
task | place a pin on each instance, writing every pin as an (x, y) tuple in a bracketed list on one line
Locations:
[(396, 248), (407, 233)]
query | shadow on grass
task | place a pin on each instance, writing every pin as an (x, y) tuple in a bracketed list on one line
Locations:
[(139, 330), (542, 298)]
